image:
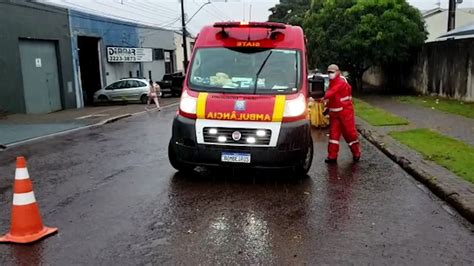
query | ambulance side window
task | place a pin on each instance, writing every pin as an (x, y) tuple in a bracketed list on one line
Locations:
[(197, 66)]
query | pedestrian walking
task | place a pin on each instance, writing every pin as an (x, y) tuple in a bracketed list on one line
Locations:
[(153, 91), (338, 100)]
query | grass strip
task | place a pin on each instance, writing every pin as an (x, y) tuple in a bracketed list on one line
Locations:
[(450, 153), (376, 116)]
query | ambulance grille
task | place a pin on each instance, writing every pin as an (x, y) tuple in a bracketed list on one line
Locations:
[(245, 134)]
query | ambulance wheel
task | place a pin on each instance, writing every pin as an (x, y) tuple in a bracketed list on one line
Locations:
[(174, 161), (302, 169)]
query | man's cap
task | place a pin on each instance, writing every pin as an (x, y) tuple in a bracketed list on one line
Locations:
[(333, 67)]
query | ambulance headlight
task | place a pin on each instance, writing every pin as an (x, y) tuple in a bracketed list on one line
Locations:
[(295, 107), (188, 104)]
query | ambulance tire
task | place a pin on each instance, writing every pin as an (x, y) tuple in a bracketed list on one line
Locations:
[(302, 169), (174, 161)]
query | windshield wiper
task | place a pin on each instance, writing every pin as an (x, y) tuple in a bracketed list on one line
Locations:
[(259, 71)]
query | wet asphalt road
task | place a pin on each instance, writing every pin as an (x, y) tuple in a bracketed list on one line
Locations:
[(116, 200)]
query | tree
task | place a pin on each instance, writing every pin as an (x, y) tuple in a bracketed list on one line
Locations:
[(358, 34), (290, 11)]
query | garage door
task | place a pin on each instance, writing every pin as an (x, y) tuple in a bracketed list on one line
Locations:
[(39, 67)]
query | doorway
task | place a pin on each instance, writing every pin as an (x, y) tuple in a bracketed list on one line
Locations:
[(90, 67), (39, 66)]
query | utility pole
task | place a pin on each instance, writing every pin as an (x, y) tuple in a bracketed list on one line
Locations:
[(185, 43), (452, 15)]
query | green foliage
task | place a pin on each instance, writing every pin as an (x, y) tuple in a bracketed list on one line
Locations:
[(357, 34), (290, 11), (453, 154)]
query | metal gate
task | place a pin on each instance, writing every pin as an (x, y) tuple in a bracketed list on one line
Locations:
[(39, 67)]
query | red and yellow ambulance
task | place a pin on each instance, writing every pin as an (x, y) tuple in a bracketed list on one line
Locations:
[(244, 100)]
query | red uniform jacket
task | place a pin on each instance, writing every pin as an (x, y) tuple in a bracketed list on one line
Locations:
[(339, 95)]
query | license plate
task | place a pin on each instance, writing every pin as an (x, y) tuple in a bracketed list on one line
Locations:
[(234, 157)]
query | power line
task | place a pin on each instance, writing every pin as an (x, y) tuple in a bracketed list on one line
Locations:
[(89, 16), (195, 13), (157, 7), (220, 11), (207, 11), (96, 12), (149, 11), (172, 22), (134, 12), (108, 14)]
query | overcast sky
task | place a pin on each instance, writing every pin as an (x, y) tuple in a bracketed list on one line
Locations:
[(166, 13)]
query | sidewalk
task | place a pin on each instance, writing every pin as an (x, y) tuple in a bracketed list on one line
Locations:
[(20, 127), (446, 185), (455, 126)]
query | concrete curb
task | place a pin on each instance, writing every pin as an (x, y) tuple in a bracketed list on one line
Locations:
[(163, 107), (444, 184), (101, 123), (112, 119)]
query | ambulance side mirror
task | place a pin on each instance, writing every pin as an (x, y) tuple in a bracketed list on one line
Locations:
[(317, 94)]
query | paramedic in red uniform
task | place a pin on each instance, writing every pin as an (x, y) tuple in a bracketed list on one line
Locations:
[(338, 99)]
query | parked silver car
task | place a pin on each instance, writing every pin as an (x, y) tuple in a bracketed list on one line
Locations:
[(130, 89)]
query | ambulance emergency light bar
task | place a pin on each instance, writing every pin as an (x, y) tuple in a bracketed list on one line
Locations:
[(273, 26), (267, 25)]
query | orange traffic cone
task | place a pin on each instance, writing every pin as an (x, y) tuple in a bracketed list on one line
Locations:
[(26, 225)]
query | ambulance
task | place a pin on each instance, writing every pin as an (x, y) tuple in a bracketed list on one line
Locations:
[(244, 100)]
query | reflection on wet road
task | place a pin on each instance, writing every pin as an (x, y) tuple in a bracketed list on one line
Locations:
[(116, 199)]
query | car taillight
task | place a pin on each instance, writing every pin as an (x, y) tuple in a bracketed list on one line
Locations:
[(295, 108), (187, 105)]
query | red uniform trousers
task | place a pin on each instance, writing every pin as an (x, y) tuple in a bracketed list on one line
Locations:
[(342, 122)]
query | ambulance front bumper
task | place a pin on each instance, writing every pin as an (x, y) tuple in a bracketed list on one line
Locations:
[(290, 149)]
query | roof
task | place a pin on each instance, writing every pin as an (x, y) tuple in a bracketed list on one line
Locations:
[(463, 31), (429, 13), (210, 36), (434, 11)]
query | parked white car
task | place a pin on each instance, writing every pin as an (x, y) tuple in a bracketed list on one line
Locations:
[(129, 89)]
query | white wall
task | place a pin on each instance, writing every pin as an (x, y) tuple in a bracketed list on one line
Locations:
[(437, 24), (373, 77), (116, 71), (156, 39)]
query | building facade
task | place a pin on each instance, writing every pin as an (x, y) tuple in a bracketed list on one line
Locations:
[(106, 50), (36, 73), (55, 58)]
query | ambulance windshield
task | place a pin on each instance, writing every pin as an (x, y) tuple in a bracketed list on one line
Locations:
[(260, 71)]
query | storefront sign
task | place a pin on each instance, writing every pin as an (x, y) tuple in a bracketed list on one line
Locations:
[(129, 55)]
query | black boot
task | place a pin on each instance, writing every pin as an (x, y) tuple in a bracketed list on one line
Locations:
[(356, 159), (330, 161)]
